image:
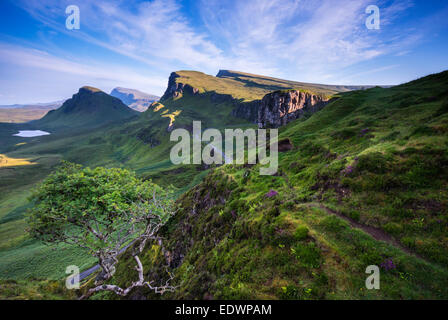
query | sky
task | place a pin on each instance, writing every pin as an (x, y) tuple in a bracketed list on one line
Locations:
[(137, 44)]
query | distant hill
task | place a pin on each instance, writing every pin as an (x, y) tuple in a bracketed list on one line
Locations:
[(135, 99), (19, 113), (90, 107), (37, 106)]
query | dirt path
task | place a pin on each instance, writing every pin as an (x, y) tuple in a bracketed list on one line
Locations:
[(376, 233)]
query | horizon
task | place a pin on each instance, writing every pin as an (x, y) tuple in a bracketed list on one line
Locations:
[(75, 90), (137, 44)]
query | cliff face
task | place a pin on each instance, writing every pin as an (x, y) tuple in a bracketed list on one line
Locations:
[(247, 110), (176, 89), (280, 107)]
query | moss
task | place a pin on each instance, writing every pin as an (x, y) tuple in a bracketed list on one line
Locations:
[(301, 233)]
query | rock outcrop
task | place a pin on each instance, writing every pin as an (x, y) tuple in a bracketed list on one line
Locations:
[(247, 110), (280, 107), (176, 89)]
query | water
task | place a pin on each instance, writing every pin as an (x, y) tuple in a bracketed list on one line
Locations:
[(31, 133)]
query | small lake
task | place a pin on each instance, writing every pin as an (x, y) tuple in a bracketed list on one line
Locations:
[(31, 133)]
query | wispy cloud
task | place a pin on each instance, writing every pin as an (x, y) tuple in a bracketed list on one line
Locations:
[(305, 40), (309, 37), (155, 32), (15, 55)]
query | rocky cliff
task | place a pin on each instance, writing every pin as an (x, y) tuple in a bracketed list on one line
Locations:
[(247, 110), (280, 107), (176, 89)]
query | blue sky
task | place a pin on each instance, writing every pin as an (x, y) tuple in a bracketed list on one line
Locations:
[(136, 44)]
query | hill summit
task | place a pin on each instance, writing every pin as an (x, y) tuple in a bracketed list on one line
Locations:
[(90, 107)]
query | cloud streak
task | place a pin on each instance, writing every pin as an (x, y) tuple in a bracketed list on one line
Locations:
[(305, 40)]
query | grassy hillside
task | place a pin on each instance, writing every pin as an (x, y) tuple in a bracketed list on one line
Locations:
[(365, 184)]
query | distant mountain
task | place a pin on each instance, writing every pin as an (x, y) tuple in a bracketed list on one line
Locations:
[(90, 107), (19, 113), (35, 106), (135, 99)]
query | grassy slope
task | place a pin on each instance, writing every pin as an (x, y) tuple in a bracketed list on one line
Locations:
[(377, 156)]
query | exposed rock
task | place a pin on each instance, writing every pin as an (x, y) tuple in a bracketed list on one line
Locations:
[(280, 107), (175, 89), (221, 98), (284, 145), (146, 136), (247, 110)]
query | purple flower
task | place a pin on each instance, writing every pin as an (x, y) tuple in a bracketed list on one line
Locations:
[(271, 194), (348, 170), (364, 131), (388, 264)]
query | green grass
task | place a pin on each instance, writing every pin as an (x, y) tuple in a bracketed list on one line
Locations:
[(33, 289)]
